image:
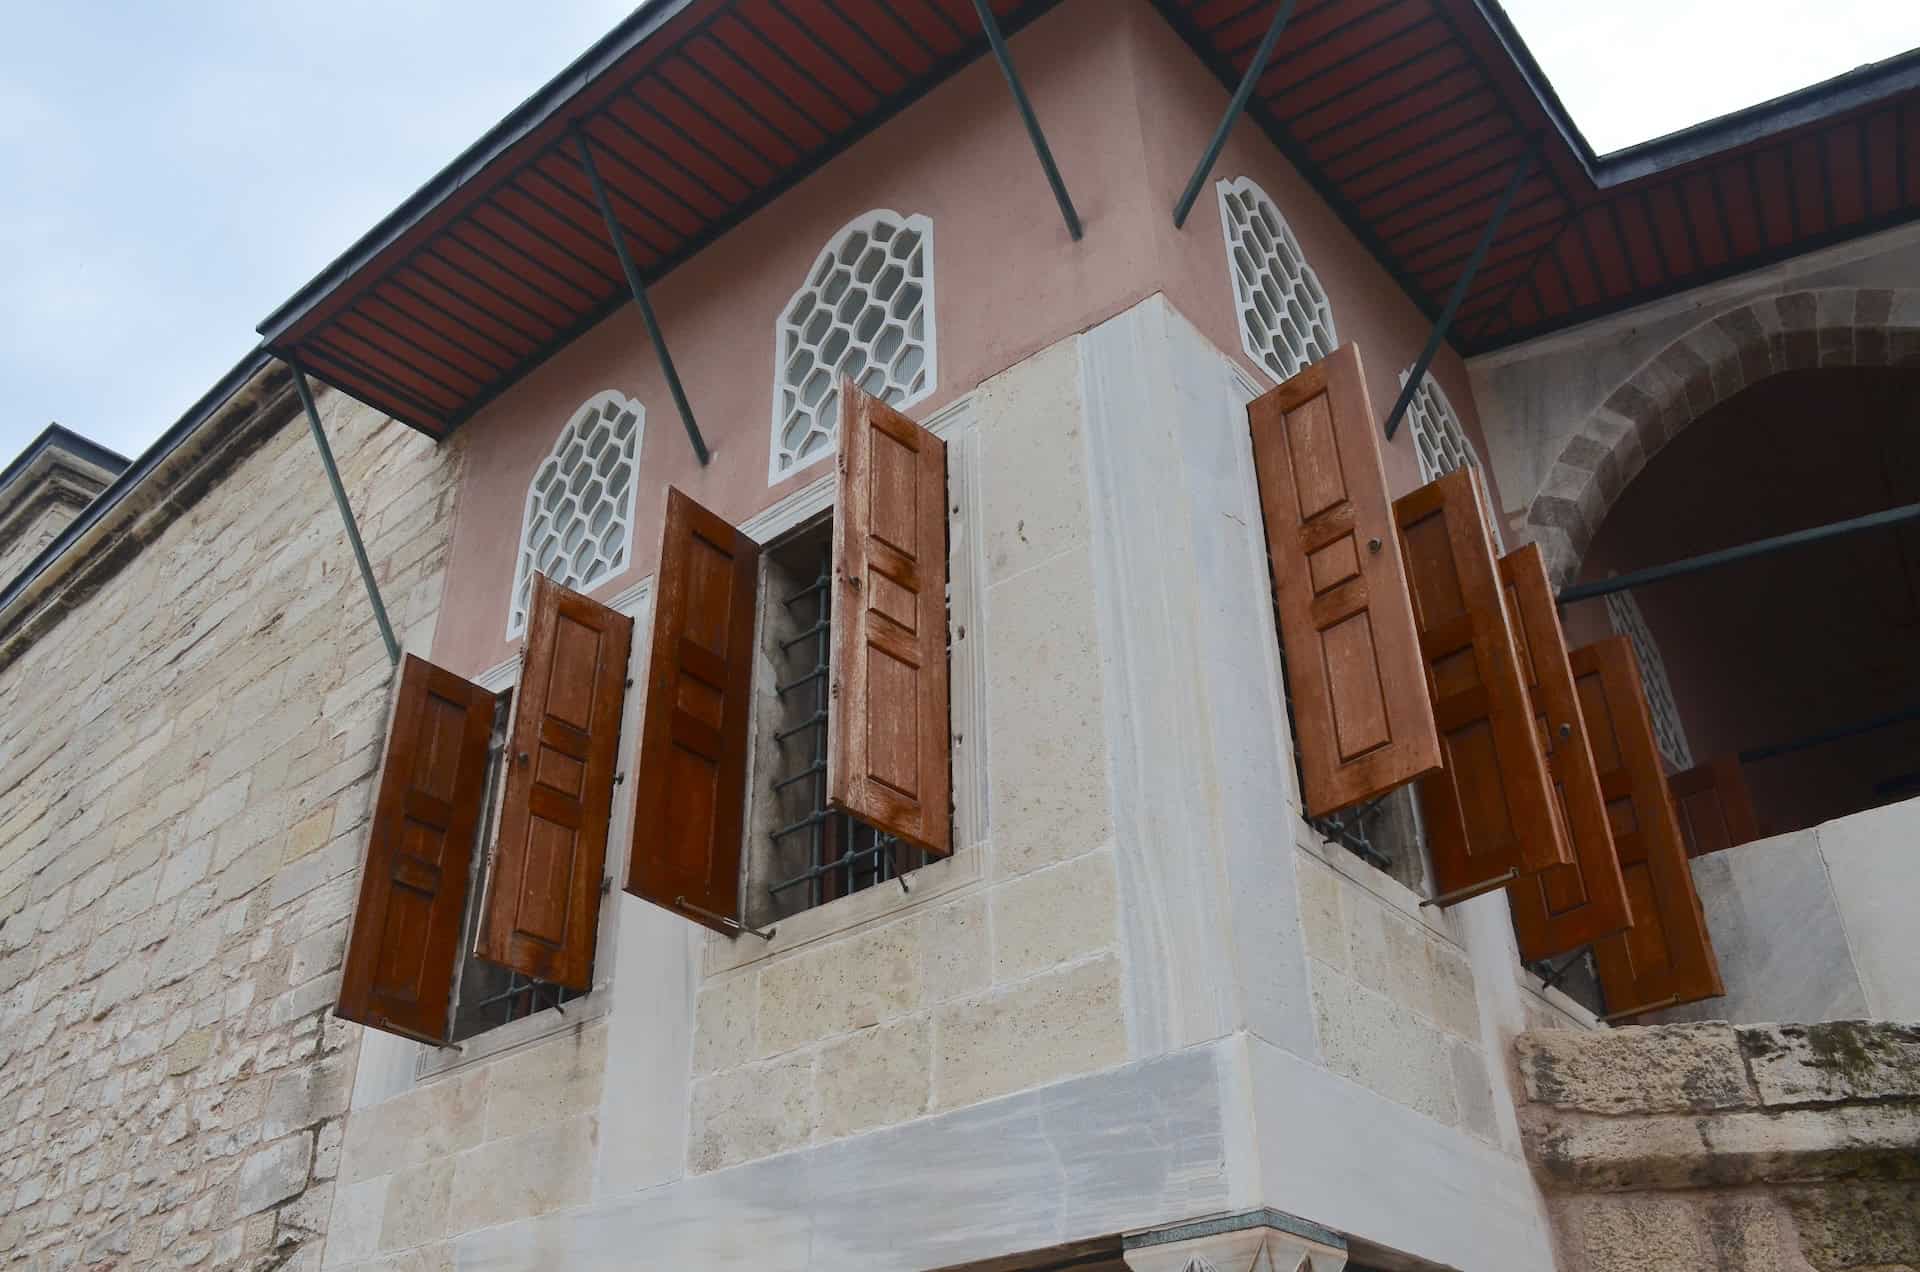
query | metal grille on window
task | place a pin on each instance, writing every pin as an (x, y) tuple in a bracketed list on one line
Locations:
[(816, 854), (1286, 322), (1668, 732), (1440, 440)]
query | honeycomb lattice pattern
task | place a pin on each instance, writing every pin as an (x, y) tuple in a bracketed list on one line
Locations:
[(1285, 320), (1668, 732), (1440, 440), (866, 312), (578, 529)]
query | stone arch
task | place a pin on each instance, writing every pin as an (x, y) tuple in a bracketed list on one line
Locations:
[(1828, 327)]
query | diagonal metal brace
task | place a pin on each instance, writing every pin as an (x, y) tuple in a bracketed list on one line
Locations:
[(639, 291), (346, 510), (991, 26), (1522, 169), (1241, 95)]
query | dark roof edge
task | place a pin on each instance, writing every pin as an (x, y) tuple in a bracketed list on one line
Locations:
[(136, 472), (1536, 79), (1850, 90), (545, 102), (63, 438)]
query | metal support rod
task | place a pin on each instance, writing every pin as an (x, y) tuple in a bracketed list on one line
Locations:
[(639, 291), (732, 925), (1472, 890), (1742, 552), (991, 26), (1671, 1000), (346, 511), (1832, 735), (1522, 169), (1241, 95)]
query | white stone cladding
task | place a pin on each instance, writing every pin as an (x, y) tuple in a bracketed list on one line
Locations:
[(185, 768)]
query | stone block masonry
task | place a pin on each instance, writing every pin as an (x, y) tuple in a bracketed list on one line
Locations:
[(186, 761), (1763, 1147)]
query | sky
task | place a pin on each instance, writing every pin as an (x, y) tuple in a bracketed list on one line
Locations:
[(170, 173)]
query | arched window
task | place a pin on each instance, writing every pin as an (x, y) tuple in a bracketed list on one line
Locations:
[(578, 526), (866, 311), (1440, 440), (1285, 320)]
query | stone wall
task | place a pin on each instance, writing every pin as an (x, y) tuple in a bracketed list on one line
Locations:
[(186, 763), (1759, 1148), (33, 535)]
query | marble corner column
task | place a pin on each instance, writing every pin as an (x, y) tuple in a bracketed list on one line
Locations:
[(1254, 1241)]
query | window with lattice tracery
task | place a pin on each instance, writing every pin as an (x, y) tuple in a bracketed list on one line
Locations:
[(866, 312), (578, 525), (1668, 732), (1440, 440), (1286, 322)]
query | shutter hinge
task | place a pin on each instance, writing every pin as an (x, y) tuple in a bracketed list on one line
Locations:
[(606, 884)]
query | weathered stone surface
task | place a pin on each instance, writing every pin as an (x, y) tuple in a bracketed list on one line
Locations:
[(274, 1174), (1838, 1060), (1045, 1028), (723, 1030), (747, 1113), (876, 1077), (1666, 1068), (1053, 916), (558, 1079), (839, 986), (1858, 1225)]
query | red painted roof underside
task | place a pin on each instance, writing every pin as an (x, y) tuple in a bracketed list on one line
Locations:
[(1407, 115)]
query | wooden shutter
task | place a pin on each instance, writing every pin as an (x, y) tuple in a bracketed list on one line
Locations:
[(1562, 907), (689, 798), (889, 751), (1360, 711), (413, 888), (1666, 957), (1491, 807), (1714, 805), (543, 891)]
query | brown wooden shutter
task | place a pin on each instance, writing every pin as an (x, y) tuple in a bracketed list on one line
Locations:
[(689, 798), (1491, 807), (1714, 805), (1666, 957), (543, 891), (889, 751), (1562, 907), (413, 888), (1360, 710)]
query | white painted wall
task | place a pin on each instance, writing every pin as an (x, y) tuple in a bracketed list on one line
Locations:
[(1817, 924)]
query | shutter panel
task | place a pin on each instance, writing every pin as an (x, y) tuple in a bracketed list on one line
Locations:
[(543, 891), (889, 750), (1562, 907), (1666, 957), (1491, 807), (1714, 805), (690, 792), (1359, 702), (413, 888)]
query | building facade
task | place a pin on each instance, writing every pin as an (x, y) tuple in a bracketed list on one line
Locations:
[(550, 942)]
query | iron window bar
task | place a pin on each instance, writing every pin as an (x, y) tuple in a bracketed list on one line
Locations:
[(843, 855), (523, 996)]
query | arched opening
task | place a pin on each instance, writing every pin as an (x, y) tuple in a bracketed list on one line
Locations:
[(1805, 663)]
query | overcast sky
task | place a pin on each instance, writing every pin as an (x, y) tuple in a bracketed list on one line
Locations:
[(171, 172)]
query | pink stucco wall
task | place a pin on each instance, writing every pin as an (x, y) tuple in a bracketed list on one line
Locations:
[(1126, 107)]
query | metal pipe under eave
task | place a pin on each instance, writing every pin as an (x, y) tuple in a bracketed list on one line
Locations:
[(346, 511), (639, 291), (1522, 168), (1241, 95), (992, 27)]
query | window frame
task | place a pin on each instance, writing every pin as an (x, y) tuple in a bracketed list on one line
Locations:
[(955, 424), (636, 603)]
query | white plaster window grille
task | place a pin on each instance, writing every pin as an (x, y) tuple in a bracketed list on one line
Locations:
[(1441, 442), (866, 311), (1668, 732), (578, 524), (1286, 322)]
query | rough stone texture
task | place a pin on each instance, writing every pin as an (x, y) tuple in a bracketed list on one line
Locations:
[(169, 1084), (1716, 359), (1707, 1146)]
